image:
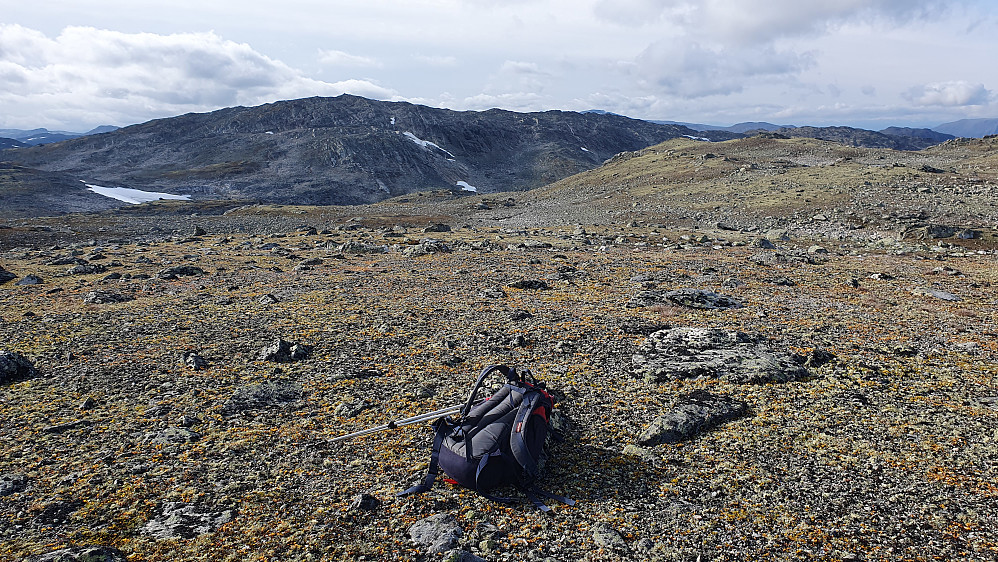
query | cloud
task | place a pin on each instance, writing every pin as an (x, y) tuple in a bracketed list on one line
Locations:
[(685, 69), (957, 93), (121, 78), (340, 58), (760, 21)]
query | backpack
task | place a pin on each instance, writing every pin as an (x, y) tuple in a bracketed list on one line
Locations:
[(497, 441)]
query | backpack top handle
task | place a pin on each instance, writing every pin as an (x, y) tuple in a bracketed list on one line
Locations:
[(510, 373)]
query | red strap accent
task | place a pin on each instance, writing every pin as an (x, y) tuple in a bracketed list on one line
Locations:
[(542, 412), (450, 481)]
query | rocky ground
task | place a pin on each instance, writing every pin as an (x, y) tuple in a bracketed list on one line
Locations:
[(171, 383)]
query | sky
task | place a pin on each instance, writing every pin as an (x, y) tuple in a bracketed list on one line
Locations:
[(75, 64)]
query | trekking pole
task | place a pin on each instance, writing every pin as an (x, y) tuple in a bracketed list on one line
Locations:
[(405, 421)]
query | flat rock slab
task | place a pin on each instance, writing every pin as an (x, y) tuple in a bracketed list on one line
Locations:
[(936, 293), (185, 521), (692, 298), (85, 554), (281, 351), (438, 533), (737, 357), (265, 394), (693, 414)]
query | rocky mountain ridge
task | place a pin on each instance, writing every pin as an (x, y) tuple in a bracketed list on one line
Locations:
[(345, 150)]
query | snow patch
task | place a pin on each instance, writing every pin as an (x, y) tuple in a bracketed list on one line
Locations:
[(133, 196), (393, 120), (425, 143), (697, 138), (467, 187), (268, 132), (584, 149)]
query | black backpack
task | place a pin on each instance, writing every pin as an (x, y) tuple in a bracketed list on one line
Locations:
[(497, 441)]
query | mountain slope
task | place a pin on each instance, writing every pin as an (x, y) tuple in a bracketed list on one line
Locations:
[(345, 150), (972, 128)]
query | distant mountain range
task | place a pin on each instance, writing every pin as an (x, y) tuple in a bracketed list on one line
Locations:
[(971, 128), (346, 150), (353, 150), (35, 137)]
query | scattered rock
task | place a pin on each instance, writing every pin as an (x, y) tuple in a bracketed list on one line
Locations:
[(364, 502), (6, 276), (198, 231), (360, 248), (460, 556), (425, 248), (437, 533), (692, 298), (105, 297), (764, 243), (30, 279), (57, 512), (608, 537), (14, 366), (171, 436), (640, 326), (194, 361), (493, 293), (818, 357), (268, 299), (12, 484), (86, 269), (281, 351), (439, 227), (88, 404), (180, 520), (692, 414), (265, 394), (81, 554), (180, 271), (688, 353), (936, 293), (351, 408)]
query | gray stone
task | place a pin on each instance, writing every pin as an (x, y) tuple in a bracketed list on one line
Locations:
[(359, 248), (530, 284), (180, 271), (351, 408), (461, 556), (30, 280), (693, 414), (438, 533), (425, 248), (14, 366), (936, 293), (105, 297), (281, 351), (6, 276), (263, 395), (12, 484), (608, 537), (180, 520), (84, 554), (737, 357), (439, 227), (194, 361), (171, 436), (364, 502), (692, 298)]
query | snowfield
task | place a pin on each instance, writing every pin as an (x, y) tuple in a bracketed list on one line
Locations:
[(134, 196)]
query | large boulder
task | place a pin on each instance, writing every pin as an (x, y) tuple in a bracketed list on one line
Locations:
[(691, 298), (14, 366), (737, 357)]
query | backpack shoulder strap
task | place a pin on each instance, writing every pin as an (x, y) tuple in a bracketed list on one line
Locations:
[(509, 372), (517, 438), (442, 427)]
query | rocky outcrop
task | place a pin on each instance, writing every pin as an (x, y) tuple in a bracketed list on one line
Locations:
[(689, 353), (698, 412)]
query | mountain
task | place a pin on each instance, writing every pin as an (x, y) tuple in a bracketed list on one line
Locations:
[(850, 136), (736, 128), (928, 135), (34, 137), (971, 128), (10, 143), (345, 150)]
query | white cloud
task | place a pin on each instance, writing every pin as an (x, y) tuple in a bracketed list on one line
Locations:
[(340, 58), (119, 78), (755, 21), (952, 94), (686, 69)]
